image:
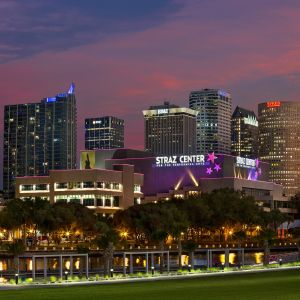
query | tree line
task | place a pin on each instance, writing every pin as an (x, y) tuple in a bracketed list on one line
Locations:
[(220, 216)]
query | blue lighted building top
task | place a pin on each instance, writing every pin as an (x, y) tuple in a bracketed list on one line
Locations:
[(72, 88)]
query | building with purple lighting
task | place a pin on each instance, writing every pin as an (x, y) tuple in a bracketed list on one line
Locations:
[(180, 175)]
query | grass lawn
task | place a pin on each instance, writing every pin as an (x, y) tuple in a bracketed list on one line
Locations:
[(273, 285)]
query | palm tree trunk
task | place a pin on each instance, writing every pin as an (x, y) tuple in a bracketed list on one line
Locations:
[(179, 253)]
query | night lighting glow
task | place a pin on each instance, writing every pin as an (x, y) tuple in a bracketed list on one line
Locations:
[(273, 104)]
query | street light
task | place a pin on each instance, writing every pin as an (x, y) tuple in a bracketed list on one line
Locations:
[(111, 273), (222, 266), (189, 268), (152, 271), (66, 275), (16, 278), (280, 261)]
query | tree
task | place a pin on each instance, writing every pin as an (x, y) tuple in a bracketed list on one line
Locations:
[(107, 238), (178, 226), (16, 248), (190, 246)]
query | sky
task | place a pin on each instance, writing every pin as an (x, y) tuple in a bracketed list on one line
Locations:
[(127, 55)]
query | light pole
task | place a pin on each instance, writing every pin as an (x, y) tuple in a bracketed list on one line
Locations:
[(152, 271), (66, 275), (111, 273), (16, 278)]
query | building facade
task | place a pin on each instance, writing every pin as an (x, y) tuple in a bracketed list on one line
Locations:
[(279, 142), (213, 120), (104, 133), (106, 191), (244, 133), (39, 137), (170, 130), (178, 176)]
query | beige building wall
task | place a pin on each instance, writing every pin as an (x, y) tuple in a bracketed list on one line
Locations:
[(104, 190)]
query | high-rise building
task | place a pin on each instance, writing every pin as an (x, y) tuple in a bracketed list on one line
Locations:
[(39, 137), (279, 142), (170, 130), (104, 133), (244, 133), (213, 120)]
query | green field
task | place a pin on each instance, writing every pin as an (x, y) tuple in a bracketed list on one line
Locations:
[(275, 285)]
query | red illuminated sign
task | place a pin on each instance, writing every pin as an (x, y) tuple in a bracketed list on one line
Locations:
[(273, 104)]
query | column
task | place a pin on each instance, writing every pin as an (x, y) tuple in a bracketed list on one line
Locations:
[(226, 258), (207, 258), (60, 266), (192, 259), (147, 264), (243, 257), (152, 260), (124, 263), (33, 268), (87, 265), (130, 264), (168, 261), (71, 265), (45, 267)]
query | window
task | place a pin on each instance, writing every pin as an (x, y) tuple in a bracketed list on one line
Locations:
[(107, 202), (75, 200), (88, 201), (116, 201), (27, 187), (61, 185), (137, 201), (61, 198), (137, 188), (100, 202), (74, 185), (116, 186), (41, 187), (88, 185), (100, 185)]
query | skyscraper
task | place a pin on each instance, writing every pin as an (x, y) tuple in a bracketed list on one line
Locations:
[(104, 133), (213, 120), (244, 133), (170, 130), (39, 137), (279, 142)]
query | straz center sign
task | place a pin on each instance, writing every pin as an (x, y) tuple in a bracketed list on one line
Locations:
[(177, 161)]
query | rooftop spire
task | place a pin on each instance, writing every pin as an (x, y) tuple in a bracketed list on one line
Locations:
[(72, 88)]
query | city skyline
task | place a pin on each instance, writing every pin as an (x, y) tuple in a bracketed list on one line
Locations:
[(147, 54)]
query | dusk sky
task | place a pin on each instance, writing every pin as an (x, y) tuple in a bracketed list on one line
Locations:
[(126, 55)]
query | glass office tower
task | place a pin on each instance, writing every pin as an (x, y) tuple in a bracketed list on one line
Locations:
[(244, 133), (39, 137), (170, 130), (213, 120), (279, 142), (104, 133)]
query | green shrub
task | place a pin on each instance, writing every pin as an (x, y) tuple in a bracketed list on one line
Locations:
[(29, 280), (75, 278), (53, 279), (12, 281)]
